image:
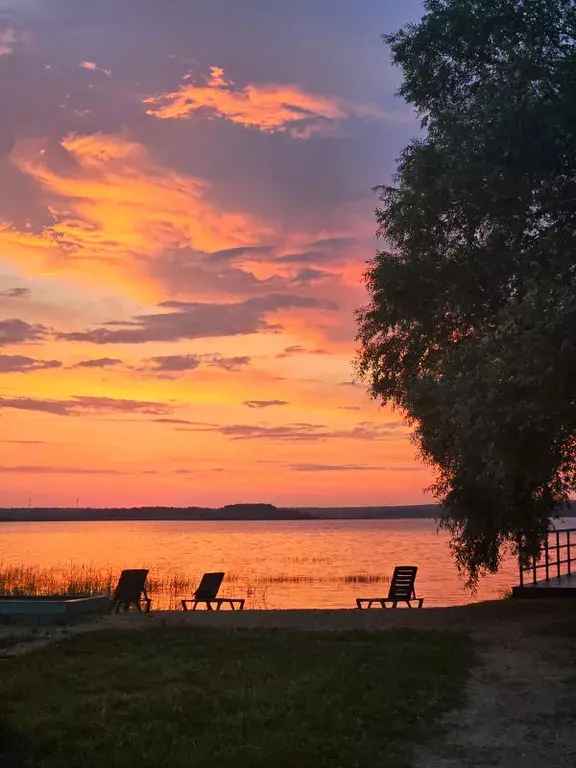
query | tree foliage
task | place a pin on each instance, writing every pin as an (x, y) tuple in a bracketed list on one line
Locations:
[(471, 325)]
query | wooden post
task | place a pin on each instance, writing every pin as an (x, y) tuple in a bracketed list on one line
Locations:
[(520, 569), (547, 556), (568, 552), (558, 553)]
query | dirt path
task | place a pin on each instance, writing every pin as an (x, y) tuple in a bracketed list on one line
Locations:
[(521, 705)]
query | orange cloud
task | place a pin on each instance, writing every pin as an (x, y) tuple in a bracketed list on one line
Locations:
[(268, 107), (114, 206)]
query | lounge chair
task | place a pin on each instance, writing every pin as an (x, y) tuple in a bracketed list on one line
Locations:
[(207, 593), (131, 590), (401, 590)]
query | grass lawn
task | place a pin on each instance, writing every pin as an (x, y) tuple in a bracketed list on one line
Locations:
[(242, 699)]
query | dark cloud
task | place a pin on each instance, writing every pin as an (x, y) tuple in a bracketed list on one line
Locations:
[(100, 362), (349, 468), (193, 320), (302, 432), (264, 403), (173, 363), (180, 363), (33, 469), (374, 430), (227, 363), (295, 349), (224, 272), (80, 404), (15, 293), (298, 349), (120, 405), (186, 472), (335, 243), (56, 407), (231, 254), (309, 275), (348, 408), (25, 442), (285, 432), (306, 257), (22, 364), (16, 331), (185, 270), (168, 420)]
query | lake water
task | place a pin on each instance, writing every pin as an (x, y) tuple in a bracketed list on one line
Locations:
[(293, 564)]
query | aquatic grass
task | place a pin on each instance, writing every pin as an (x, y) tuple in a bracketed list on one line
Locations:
[(73, 580), (281, 578), (166, 586), (294, 578), (365, 578)]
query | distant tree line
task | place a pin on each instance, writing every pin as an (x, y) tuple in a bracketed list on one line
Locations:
[(229, 512)]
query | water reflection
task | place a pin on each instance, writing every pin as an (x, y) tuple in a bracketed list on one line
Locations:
[(289, 564)]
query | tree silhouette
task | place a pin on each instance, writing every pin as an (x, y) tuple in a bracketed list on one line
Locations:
[(471, 326)]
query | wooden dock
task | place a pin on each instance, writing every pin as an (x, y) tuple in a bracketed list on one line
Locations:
[(554, 573)]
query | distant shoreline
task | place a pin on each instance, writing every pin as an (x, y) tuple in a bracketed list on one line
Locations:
[(231, 513)]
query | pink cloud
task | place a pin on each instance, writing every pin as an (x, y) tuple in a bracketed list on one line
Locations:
[(93, 67), (8, 40)]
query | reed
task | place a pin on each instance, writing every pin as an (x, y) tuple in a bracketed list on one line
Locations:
[(72, 580), (166, 586)]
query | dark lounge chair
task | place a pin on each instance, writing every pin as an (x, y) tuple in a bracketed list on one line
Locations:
[(131, 590), (401, 590), (207, 593)]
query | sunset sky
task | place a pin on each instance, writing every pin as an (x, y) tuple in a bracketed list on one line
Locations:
[(185, 216)]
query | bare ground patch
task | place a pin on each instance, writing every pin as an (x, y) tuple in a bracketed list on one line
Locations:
[(520, 710)]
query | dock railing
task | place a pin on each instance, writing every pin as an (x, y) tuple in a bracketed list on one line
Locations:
[(557, 557)]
